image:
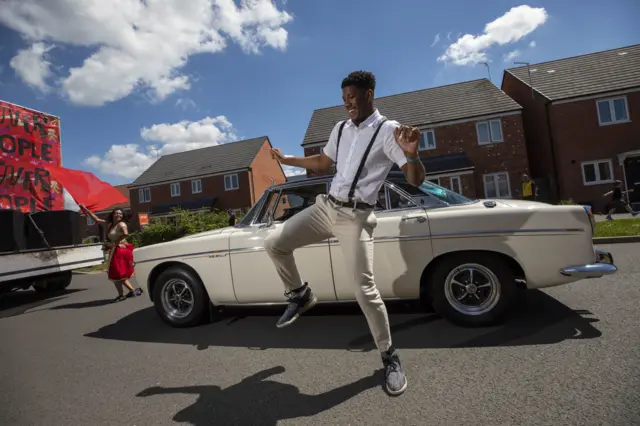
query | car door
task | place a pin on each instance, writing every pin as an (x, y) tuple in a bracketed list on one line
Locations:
[(255, 279), (402, 248)]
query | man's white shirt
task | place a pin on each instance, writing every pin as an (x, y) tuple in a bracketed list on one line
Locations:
[(353, 143)]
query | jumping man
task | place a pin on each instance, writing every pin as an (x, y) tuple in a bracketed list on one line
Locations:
[(364, 148)]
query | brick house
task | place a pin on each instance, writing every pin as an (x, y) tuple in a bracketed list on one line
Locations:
[(472, 136), (582, 123), (227, 176), (93, 230)]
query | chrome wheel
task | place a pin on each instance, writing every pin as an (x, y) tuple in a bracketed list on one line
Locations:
[(472, 289), (177, 298)]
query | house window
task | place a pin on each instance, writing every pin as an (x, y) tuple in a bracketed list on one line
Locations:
[(496, 185), (454, 184), (489, 132), (144, 194), (196, 186), (427, 140), (611, 111), (436, 181), (231, 182), (175, 189), (597, 172), (90, 221)]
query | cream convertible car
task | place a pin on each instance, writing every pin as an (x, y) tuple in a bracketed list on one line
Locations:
[(466, 258)]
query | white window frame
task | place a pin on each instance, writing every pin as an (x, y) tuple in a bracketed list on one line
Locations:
[(595, 163), (231, 187), (423, 134), (194, 186), (612, 111), (494, 175), (144, 195), (492, 138), (174, 192), (459, 179)]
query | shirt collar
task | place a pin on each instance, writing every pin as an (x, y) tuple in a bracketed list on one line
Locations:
[(370, 121)]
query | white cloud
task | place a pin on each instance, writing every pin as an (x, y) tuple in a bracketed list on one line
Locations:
[(293, 171), (449, 36), (32, 67), (511, 55), (509, 28), (143, 45), (532, 44), (436, 39), (131, 160)]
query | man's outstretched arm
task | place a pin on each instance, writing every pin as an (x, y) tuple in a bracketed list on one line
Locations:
[(317, 163)]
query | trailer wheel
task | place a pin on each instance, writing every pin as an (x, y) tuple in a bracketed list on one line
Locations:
[(53, 283)]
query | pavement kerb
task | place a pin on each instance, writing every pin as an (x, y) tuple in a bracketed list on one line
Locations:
[(617, 240)]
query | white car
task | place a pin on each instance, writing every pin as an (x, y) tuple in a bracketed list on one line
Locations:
[(466, 258)]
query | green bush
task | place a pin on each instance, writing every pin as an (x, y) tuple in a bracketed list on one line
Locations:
[(186, 223)]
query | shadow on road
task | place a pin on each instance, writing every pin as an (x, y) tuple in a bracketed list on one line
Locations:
[(256, 399), (540, 320), (82, 305), (18, 302)]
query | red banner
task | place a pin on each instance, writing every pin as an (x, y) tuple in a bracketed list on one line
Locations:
[(29, 144)]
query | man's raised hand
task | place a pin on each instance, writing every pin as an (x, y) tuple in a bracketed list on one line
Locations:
[(408, 138), (276, 154)]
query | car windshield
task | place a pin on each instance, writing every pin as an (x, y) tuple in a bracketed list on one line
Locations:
[(253, 211), (429, 190)]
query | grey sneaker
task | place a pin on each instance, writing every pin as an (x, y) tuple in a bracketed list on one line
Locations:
[(394, 379), (300, 301)]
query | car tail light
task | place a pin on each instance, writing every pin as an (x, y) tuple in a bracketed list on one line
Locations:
[(592, 220)]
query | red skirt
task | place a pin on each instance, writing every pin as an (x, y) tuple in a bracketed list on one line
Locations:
[(121, 266)]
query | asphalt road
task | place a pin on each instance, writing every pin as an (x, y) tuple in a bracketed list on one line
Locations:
[(570, 356)]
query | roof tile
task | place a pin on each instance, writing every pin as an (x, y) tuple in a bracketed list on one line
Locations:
[(203, 161), (590, 74), (428, 106)]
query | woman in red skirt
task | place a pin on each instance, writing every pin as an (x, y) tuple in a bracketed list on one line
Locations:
[(120, 260)]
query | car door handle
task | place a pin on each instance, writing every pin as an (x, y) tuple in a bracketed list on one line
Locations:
[(419, 218)]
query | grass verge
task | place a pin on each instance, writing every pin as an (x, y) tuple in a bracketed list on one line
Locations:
[(618, 228)]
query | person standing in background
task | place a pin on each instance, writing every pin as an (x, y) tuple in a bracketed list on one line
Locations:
[(529, 188), (617, 200), (232, 217)]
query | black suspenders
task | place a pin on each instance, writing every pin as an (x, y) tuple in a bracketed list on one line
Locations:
[(352, 190)]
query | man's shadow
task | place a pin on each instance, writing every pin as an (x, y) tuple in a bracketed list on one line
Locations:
[(256, 400)]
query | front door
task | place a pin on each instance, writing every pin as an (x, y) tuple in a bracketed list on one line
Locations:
[(255, 278), (402, 248), (632, 175)]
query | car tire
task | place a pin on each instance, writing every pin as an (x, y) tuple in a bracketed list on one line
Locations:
[(190, 306), (479, 300)]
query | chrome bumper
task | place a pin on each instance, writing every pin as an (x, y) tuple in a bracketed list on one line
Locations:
[(603, 266)]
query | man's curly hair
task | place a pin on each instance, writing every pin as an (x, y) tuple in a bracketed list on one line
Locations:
[(360, 79)]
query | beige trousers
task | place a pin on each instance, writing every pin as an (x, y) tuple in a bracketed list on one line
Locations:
[(354, 230)]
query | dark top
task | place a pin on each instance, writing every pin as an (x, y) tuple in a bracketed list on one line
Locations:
[(232, 219), (617, 194)]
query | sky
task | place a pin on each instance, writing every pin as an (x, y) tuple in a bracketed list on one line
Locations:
[(133, 80)]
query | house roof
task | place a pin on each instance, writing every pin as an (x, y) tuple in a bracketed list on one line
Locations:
[(124, 190), (590, 74), (204, 161), (428, 106)]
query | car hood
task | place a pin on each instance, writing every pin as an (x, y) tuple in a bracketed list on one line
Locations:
[(224, 230)]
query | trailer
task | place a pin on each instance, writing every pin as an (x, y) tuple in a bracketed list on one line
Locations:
[(46, 270), (35, 260)]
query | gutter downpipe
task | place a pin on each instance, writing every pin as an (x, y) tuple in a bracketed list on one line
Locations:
[(553, 151)]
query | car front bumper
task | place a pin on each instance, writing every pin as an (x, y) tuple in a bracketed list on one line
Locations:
[(603, 266)]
